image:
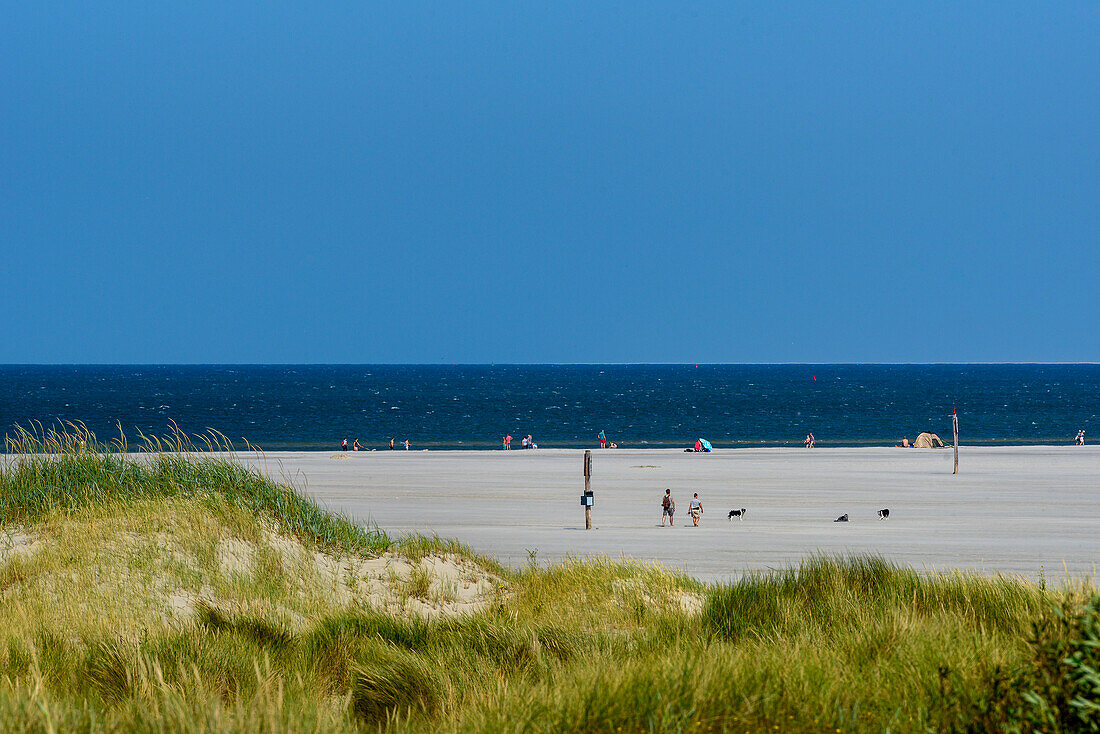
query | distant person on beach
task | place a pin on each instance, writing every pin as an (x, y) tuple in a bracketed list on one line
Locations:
[(695, 509), (355, 446), (344, 445), (904, 442), (530, 442), (524, 442), (1080, 440), (668, 508), (603, 439), (508, 442), (391, 444), (406, 444), (809, 440), (698, 445)]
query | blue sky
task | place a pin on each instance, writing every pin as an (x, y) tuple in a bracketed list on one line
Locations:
[(549, 182)]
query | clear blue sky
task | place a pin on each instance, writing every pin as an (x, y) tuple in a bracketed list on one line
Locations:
[(549, 182)]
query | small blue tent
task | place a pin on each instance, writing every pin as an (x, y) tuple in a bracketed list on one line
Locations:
[(705, 443)]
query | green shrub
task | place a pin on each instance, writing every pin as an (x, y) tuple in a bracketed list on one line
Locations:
[(1061, 687)]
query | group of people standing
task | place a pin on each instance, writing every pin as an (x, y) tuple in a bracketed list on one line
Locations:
[(527, 442), (668, 508), (1080, 440), (356, 447)]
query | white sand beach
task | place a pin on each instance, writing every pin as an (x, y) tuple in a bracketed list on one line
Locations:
[(1008, 510)]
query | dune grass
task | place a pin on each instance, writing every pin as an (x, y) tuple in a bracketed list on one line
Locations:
[(836, 644), (48, 471)]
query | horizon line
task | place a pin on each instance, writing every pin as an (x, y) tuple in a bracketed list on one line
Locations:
[(538, 364)]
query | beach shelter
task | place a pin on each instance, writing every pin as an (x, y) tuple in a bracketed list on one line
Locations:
[(705, 444), (928, 441)]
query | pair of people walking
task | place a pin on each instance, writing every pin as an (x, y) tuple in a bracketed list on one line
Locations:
[(668, 508)]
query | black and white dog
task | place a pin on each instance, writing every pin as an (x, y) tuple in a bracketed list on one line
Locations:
[(884, 513), (842, 518), (739, 514)]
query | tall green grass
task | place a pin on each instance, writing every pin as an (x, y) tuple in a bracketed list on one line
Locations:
[(500, 671), (66, 470), (834, 596)]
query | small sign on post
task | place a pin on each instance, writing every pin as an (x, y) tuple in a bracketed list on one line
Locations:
[(587, 498)]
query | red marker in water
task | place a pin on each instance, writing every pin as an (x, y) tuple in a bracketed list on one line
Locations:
[(815, 378)]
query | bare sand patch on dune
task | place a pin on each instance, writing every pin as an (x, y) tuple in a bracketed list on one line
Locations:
[(435, 585), (16, 542), (76, 575)]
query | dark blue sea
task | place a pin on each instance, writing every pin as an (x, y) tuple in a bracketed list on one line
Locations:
[(471, 407)]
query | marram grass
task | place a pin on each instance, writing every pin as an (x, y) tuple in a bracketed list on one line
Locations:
[(50, 471), (835, 644)]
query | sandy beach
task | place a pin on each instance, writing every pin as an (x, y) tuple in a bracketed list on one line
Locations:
[(1009, 510)]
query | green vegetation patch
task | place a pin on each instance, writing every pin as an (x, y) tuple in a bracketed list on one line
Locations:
[(49, 471), (509, 669)]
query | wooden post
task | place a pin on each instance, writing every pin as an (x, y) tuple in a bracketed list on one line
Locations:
[(587, 488), (955, 428)]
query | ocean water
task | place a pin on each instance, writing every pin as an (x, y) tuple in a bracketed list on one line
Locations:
[(435, 406)]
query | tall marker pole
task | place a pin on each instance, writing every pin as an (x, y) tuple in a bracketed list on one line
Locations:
[(955, 428), (586, 500)]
